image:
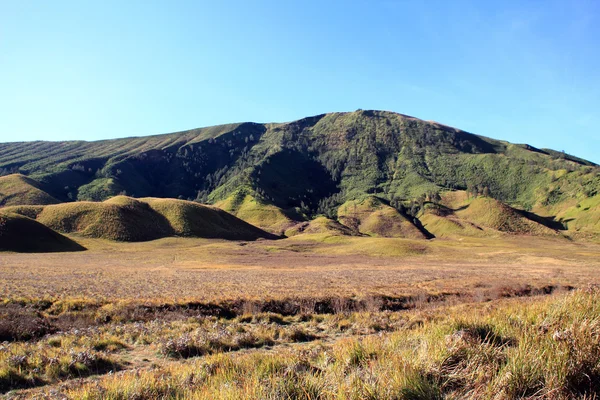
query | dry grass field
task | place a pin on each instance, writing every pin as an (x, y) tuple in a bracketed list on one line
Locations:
[(315, 316), (178, 269)]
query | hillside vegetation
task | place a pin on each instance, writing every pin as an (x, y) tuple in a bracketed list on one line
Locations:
[(123, 218), (25, 235), (276, 175), (16, 189), (490, 213), (321, 225), (257, 212), (373, 217)]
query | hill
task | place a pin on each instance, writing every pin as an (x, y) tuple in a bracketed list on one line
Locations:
[(187, 218), (484, 216), (276, 175), (24, 235), (321, 225), (126, 219), (258, 212), (371, 216), (493, 214), (17, 189)]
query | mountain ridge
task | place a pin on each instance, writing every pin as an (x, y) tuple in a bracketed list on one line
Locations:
[(308, 167)]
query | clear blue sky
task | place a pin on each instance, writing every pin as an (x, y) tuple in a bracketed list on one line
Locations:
[(523, 71)]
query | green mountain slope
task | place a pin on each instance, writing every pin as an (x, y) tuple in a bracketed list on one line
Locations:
[(274, 175)]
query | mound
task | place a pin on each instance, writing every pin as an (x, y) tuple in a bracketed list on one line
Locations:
[(493, 214), (24, 235), (122, 219), (446, 224), (18, 189), (192, 219), (321, 225), (373, 217), (250, 209)]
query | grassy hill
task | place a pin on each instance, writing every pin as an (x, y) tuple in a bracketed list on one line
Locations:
[(22, 234), (371, 216), (258, 212), (483, 216), (126, 219), (17, 189), (276, 175), (321, 225), (493, 214), (192, 219)]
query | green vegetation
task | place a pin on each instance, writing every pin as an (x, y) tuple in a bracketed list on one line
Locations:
[(256, 212), (583, 216), (98, 190)]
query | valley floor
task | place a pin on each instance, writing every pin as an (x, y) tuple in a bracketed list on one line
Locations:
[(312, 316), (176, 269)]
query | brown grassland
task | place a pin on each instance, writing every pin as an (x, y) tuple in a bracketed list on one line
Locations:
[(314, 316)]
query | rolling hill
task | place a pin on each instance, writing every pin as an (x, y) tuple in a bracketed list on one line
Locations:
[(484, 216), (371, 216), (126, 219), (17, 189), (372, 171), (24, 235)]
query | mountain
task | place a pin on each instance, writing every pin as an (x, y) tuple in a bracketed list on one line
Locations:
[(385, 166)]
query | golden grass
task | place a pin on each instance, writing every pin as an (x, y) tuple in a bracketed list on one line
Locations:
[(115, 220), (188, 218), (304, 265), (512, 348), (323, 314), (456, 199), (448, 226)]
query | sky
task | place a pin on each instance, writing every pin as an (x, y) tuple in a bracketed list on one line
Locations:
[(522, 71)]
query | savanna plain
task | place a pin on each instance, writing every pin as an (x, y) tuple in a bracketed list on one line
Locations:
[(312, 316)]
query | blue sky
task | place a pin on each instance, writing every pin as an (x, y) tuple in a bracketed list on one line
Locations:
[(523, 71)]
